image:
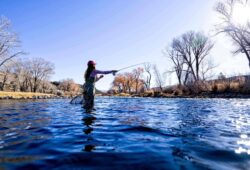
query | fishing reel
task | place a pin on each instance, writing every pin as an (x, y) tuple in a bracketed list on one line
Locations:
[(114, 72)]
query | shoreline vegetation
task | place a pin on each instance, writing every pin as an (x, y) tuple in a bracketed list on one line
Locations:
[(171, 92), (232, 87), (202, 95), (27, 95)]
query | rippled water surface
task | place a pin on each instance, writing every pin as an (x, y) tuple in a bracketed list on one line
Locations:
[(135, 133)]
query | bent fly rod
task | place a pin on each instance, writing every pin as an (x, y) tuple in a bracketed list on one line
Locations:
[(132, 66)]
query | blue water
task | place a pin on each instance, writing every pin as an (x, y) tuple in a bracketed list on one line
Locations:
[(126, 133)]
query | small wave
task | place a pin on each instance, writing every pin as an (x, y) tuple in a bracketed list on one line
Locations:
[(144, 129)]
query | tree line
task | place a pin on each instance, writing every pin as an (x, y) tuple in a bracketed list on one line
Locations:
[(27, 74), (189, 56), (139, 80)]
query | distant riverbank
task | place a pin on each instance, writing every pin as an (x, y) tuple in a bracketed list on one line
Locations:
[(29, 95), (201, 95), (26, 95)]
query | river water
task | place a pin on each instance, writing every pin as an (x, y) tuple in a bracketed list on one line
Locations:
[(126, 133)]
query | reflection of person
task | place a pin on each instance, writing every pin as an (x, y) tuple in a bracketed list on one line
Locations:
[(89, 86), (88, 121)]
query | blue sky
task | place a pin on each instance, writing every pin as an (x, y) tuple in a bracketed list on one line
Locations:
[(114, 33)]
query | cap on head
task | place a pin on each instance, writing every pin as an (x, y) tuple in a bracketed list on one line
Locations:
[(91, 62)]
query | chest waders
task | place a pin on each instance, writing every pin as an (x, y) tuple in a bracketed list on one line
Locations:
[(89, 94)]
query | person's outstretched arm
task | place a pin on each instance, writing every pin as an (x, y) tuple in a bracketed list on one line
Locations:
[(95, 72)]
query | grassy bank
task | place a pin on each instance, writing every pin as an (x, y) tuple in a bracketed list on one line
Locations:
[(23, 95)]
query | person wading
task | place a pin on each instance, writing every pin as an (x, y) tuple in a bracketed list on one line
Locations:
[(91, 76)]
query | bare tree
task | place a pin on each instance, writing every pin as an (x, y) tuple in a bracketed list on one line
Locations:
[(69, 85), (239, 33), (158, 78), (5, 73), (48, 87), (22, 74), (221, 76), (129, 81), (39, 70), (137, 73), (119, 83), (178, 63), (188, 53), (147, 68), (207, 68), (8, 42)]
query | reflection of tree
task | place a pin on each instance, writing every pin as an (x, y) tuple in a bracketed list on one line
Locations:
[(87, 122)]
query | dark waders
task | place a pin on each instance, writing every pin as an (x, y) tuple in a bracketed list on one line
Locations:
[(89, 94)]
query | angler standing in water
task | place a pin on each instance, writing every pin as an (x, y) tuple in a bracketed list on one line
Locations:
[(91, 77)]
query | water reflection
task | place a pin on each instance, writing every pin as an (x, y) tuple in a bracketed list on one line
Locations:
[(88, 120)]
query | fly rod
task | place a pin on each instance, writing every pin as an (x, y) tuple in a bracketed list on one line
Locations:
[(132, 66)]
